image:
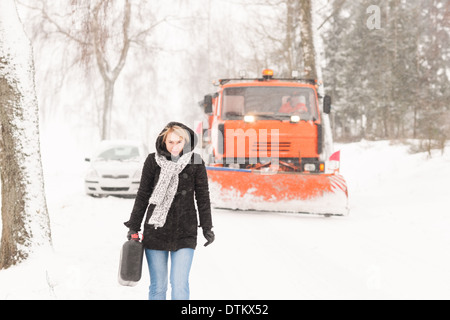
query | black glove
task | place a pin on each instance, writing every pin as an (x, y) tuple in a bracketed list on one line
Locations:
[(209, 236), (130, 232)]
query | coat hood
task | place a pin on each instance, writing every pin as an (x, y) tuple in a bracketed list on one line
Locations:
[(188, 147)]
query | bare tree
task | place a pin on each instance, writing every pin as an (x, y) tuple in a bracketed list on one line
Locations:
[(25, 221), (307, 38), (109, 73), (274, 44), (290, 36), (312, 64), (103, 33)]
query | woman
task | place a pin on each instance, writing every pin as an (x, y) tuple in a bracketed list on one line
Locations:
[(170, 180)]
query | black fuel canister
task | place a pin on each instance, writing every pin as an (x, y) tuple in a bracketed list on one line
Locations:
[(130, 266)]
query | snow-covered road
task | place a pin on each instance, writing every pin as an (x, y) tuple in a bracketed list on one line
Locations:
[(393, 245)]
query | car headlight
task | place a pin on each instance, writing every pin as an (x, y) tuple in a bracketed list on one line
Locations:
[(92, 175)]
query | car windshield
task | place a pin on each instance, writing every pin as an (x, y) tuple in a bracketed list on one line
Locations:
[(269, 102), (119, 153)]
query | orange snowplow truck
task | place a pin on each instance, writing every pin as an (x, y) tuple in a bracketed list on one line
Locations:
[(265, 147)]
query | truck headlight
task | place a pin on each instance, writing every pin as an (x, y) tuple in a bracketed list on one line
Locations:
[(314, 167), (309, 167), (249, 118), (295, 119)]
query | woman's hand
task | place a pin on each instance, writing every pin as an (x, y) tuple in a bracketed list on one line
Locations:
[(209, 236), (130, 232)]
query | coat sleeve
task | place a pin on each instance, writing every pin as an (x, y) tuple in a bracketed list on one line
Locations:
[(202, 195), (143, 195)]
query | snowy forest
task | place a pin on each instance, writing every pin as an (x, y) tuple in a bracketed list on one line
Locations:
[(83, 71), (119, 69)]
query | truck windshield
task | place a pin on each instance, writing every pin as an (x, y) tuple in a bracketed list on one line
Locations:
[(269, 102)]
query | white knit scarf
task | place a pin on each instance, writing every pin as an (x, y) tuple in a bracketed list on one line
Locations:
[(166, 187)]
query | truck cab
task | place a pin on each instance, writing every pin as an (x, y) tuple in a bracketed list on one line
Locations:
[(266, 121)]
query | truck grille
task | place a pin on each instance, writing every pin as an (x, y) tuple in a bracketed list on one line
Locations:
[(269, 147)]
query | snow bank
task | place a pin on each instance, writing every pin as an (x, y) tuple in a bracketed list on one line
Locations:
[(393, 245)]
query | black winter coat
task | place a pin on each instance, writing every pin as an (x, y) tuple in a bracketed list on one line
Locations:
[(180, 229)]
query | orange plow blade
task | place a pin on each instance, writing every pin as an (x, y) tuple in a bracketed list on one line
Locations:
[(241, 189)]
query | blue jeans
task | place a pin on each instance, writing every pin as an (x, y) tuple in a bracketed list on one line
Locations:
[(180, 266)]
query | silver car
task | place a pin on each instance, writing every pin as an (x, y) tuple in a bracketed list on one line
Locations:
[(115, 168)]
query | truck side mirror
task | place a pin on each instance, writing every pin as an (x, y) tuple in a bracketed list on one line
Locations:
[(207, 104), (327, 104)]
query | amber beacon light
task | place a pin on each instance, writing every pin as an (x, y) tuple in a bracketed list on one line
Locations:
[(267, 73)]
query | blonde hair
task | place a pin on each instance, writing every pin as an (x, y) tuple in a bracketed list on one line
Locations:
[(179, 131)]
